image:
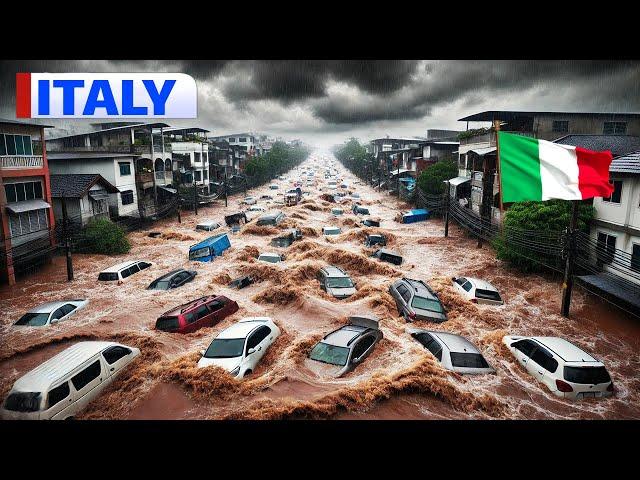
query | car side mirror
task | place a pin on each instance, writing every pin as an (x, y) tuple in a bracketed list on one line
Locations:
[(54, 320), (202, 352), (453, 278), (251, 351)]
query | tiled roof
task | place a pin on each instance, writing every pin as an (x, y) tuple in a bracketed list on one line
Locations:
[(618, 144), (76, 185), (626, 164)]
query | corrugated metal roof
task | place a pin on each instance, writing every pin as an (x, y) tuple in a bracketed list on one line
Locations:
[(28, 124), (85, 155), (491, 115), (617, 144), (626, 163), (483, 151)]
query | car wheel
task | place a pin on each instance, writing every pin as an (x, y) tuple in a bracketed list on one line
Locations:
[(248, 372)]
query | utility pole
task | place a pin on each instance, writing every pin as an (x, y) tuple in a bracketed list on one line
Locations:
[(446, 209), (225, 187), (195, 191), (67, 242), (398, 180), (567, 284)]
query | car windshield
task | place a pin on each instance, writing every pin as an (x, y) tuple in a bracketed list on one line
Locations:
[(167, 323), (23, 402), (108, 276), (33, 319), (225, 348), (426, 304), (340, 282), (586, 375), (468, 360), (323, 352), (488, 294), (269, 258), (331, 231), (160, 285)]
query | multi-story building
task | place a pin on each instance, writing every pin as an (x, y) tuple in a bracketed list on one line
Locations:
[(26, 218), (190, 148), (245, 142), (135, 158)]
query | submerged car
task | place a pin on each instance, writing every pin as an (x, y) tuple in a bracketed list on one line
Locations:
[(337, 212), (173, 279), (336, 282), (271, 218), (348, 346), (249, 201), (119, 272), (375, 239), (50, 313), (417, 301), (202, 312), (367, 222), (331, 231), (239, 348), (270, 257), (274, 186), (208, 225), (358, 210), (565, 369), (477, 291), (454, 352), (388, 256), (241, 282)]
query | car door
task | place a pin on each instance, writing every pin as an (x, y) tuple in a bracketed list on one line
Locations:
[(57, 315), (251, 359), (88, 383), (68, 310), (542, 365), (203, 317), (116, 357), (523, 349), (59, 400), (262, 337), (362, 348)]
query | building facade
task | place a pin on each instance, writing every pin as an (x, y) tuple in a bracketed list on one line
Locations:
[(84, 197)]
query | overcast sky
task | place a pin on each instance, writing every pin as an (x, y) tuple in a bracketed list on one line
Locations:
[(325, 102)]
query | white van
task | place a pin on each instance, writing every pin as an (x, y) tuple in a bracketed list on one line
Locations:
[(122, 270), (63, 385)]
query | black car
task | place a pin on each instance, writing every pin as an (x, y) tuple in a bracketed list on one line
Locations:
[(388, 256), (241, 282), (235, 219), (375, 239), (173, 279), (358, 210), (370, 223)]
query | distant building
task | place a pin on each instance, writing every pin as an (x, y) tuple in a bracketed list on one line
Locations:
[(87, 196), (26, 218), (245, 142), (190, 156)]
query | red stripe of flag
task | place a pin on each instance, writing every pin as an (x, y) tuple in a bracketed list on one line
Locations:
[(593, 173), (23, 95)]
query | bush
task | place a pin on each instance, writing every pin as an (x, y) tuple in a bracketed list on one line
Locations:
[(549, 216), (103, 236), (432, 178)]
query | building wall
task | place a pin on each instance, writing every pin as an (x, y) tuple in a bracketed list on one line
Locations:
[(627, 212), (543, 125)]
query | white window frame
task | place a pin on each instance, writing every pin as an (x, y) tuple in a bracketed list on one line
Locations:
[(609, 202)]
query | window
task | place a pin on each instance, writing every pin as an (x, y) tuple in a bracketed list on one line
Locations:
[(460, 281), (259, 335), (86, 376), (404, 292), (125, 168), (202, 312), (525, 346), (125, 273), (15, 144), (606, 247), (635, 257), (19, 192), (3, 145), (196, 156), (429, 343), (68, 308), (467, 286), (488, 295), (127, 197), (468, 360), (168, 323), (362, 346), (587, 375), (215, 306), (560, 126), (28, 222), (113, 354), (134, 269), (190, 317), (232, 140), (614, 128), (617, 192), (143, 265), (242, 139), (56, 395), (198, 175), (58, 314), (544, 358), (205, 175)]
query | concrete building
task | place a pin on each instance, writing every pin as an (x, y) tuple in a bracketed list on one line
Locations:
[(190, 149), (245, 142), (26, 218), (87, 196)]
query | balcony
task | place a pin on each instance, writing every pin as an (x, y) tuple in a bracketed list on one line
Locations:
[(164, 177), (18, 162), (490, 137)]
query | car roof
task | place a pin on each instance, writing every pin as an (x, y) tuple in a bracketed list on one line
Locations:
[(389, 252), (481, 284), (50, 306), (272, 214), (44, 375), (330, 227), (455, 343), (243, 327), (207, 222), (190, 304), (344, 335), (270, 254), (334, 271), (420, 288), (565, 349), (170, 274), (120, 266)]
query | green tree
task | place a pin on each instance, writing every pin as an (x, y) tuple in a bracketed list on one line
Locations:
[(523, 221), (103, 236), (354, 156), (432, 178)]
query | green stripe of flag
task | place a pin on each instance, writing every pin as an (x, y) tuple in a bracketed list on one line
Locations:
[(519, 168)]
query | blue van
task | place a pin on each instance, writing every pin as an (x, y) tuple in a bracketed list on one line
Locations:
[(209, 248), (417, 215)]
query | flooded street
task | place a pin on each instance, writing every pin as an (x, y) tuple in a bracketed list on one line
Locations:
[(399, 380)]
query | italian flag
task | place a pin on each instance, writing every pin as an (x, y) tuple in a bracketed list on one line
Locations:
[(537, 170)]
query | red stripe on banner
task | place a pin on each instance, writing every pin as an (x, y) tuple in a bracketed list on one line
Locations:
[(23, 95), (593, 173)]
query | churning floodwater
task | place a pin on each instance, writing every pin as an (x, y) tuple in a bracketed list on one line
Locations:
[(399, 380)]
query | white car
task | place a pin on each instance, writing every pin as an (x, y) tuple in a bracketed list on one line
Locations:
[(565, 369), (274, 186), (208, 225), (63, 385), (119, 272), (239, 348), (477, 291), (50, 313), (454, 352), (249, 200), (327, 231), (253, 212), (270, 257)]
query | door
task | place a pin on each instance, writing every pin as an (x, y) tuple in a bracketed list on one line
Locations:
[(57, 315), (256, 341), (116, 357), (523, 349), (542, 365), (363, 348), (203, 318), (59, 402), (216, 308), (88, 383)]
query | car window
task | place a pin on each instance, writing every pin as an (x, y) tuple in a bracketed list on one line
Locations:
[(253, 340), (82, 379), (215, 305), (125, 273), (429, 343), (56, 395), (525, 346), (190, 317), (144, 265), (201, 312), (460, 280), (586, 375), (260, 334), (362, 346), (58, 314), (544, 358), (401, 289), (468, 360), (113, 354), (467, 286), (488, 294), (134, 268), (68, 308)]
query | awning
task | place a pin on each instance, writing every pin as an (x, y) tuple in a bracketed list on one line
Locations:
[(458, 180), (402, 170), (98, 195), (483, 151), (27, 206), (173, 191)]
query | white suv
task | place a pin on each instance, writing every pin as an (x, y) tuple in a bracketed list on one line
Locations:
[(565, 369), (119, 272), (477, 291)]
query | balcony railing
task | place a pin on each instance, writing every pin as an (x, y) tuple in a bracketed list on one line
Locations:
[(144, 177), (490, 137), (8, 162), (133, 149)]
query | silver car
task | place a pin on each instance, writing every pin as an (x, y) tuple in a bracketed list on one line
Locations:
[(50, 313), (345, 348), (417, 301), (335, 281)]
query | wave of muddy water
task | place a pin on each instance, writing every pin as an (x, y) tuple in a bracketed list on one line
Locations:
[(399, 380)]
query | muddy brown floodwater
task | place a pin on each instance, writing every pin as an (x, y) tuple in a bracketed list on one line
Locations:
[(398, 381)]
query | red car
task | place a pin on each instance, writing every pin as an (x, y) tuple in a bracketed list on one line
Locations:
[(203, 312)]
